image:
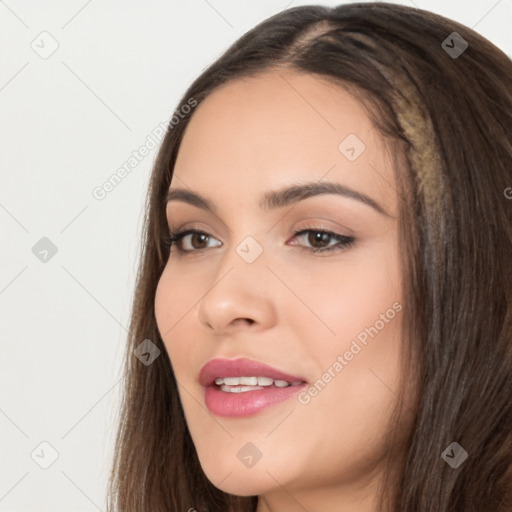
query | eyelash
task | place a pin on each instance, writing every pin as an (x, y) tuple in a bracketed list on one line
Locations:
[(344, 242)]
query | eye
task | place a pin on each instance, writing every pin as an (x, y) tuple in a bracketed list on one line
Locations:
[(316, 237), (177, 238)]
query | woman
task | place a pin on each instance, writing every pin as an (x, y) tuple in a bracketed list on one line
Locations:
[(325, 285)]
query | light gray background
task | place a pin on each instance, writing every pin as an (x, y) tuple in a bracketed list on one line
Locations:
[(67, 123)]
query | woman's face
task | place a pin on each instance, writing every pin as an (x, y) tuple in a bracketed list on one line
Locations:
[(252, 289)]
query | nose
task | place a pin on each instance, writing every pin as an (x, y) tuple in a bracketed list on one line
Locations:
[(238, 296)]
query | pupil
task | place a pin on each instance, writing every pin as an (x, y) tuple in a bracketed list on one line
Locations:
[(319, 237), (201, 235)]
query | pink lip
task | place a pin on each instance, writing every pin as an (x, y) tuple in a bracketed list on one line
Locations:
[(247, 403)]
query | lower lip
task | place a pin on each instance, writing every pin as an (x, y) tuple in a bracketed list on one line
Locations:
[(246, 403)]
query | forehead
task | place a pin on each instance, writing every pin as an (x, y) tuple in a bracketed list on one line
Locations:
[(268, 130)]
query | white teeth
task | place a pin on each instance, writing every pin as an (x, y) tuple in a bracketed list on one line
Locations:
[(239, 389), (249, 381), (231, 381), (252, 381)]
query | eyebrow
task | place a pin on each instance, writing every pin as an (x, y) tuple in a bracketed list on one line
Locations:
[(280, 198)]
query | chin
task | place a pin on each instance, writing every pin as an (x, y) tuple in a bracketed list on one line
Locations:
[(242, 481)]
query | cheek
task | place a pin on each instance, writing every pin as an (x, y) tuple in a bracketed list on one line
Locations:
[(163, 305), (359, 359), (349, 403), (173, 301), (354, 300)]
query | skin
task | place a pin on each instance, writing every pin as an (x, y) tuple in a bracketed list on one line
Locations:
[(292, 309)]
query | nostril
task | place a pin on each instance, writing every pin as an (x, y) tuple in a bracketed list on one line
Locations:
[(250, 321)]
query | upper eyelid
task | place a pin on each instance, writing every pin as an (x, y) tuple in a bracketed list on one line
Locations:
[(192, 230), (182, 233)]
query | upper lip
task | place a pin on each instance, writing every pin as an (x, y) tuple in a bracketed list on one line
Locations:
[(240, 367)]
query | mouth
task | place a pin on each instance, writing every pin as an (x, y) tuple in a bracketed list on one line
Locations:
[(244, 387), (243, 372)]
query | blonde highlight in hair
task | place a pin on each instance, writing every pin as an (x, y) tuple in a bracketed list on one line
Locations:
[(423, 153)]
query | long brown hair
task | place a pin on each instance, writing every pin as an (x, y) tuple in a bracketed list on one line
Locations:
[(447, 109)]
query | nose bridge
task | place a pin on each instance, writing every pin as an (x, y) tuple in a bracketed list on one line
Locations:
[(247, 237), (243, 268), (240, 288)]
